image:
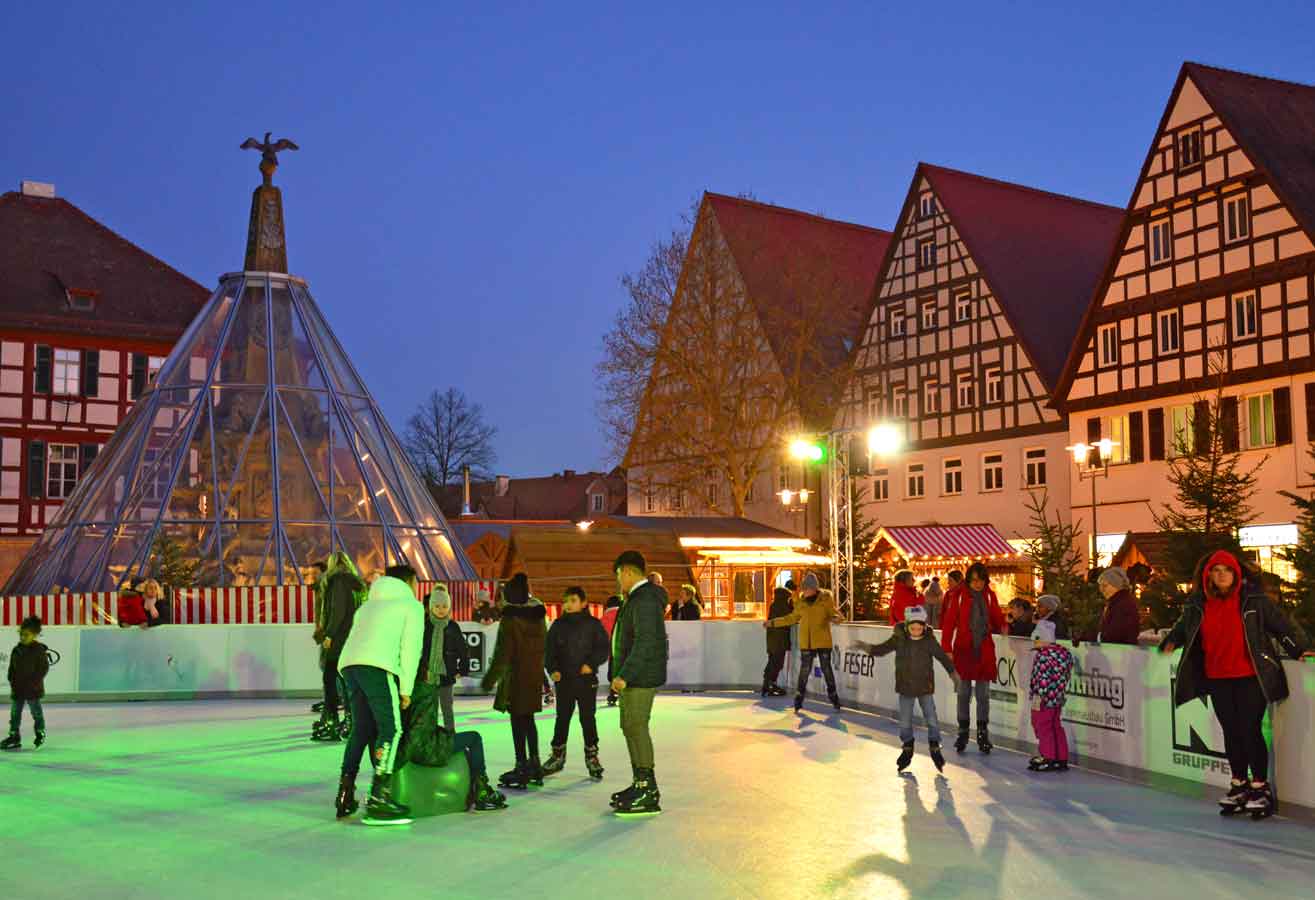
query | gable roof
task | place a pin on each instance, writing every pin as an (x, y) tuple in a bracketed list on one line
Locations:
[(774, 246), (560, 497), (1041, 253), (48, 245)]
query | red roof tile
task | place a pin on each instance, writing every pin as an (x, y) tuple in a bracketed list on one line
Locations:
[(1041, 253), (557, 498), (48, 245)]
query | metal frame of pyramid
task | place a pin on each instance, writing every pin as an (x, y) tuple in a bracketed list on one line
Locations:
[(256, 456)]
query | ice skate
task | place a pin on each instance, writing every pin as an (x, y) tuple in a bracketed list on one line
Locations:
[(961, 741), (13, 742), (776, 691), (485, 798), (623, 796), (798, 702), (1035, 763), (512, 778), (346, 804), (381, 809), (1053, 765), (612, 697), (1236, 798), (592, 764), (835, 701), (905, 757), (646, 800), (345, 729), (556, 761), (326, 729), (1260, 802), (983, 738), (937, 758), (40, 739)]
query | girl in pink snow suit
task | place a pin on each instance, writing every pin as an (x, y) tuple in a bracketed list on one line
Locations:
[(1047, 689)]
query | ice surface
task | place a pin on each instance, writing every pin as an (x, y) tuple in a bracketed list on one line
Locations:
[(230, 799)]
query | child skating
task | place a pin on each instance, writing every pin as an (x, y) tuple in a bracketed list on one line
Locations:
[(28, 665), (1047, 690), (915, 680), (577, 645)]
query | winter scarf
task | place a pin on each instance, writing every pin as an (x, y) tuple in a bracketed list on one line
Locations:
[(437, 667), (978, 624)]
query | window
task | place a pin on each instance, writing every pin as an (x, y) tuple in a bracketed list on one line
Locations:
[(81, 301), (749, 492), (1260, 420), (875, 408), (1237, 218), (677, 499), (713, 493), (928, 315), (931, 398), (782, 477), (1034, 467), (880, 484), (963, 390), (1161, 241), (963, 306), (596, 502), (993, 472), (1108, 338), (1189, 149), (917, 486), (953, 471), (61, 470), (899, 403), (650, 500), (1169, 332), (995, 389), (67, 374), (897, 324), (926, 254), (1182, 421), (1244, 316), (1117, 429), (926, 206)]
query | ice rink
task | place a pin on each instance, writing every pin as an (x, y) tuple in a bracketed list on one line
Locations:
[(230, 799)]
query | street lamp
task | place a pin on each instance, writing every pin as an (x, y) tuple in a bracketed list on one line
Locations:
[(1093, 461), (884, 440)]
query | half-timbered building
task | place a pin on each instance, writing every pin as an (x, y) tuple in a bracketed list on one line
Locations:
[(1209, 287), (86, 318), (980, 295)]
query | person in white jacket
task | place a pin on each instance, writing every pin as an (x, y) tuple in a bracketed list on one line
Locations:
[(378, 662)]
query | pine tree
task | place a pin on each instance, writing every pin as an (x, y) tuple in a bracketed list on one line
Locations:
[(1056, 553), (1299, 598), (170, 566), (869, 581)]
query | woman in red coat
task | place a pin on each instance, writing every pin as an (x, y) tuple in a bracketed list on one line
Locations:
[(970, 617), (903, 596)]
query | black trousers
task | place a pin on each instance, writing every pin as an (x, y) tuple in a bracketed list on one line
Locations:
[(573, 693), (525, 734), (376, 718), (1240, 708), (806, 668), (775, 663), (330, 675)]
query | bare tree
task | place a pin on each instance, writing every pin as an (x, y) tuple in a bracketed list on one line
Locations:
[(446, 433), (714, 388)]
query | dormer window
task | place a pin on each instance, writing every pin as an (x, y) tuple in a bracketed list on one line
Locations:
[(926, 206), (596, 502), (81, 300)]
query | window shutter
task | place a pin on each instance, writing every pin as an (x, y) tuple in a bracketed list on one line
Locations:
[(1136, 437), (1093, 435), (90, 373), (86, 456), (1310, 412), (36, 469), (140, 363), (1200, 425), (45, 361), (1155, 428), (1229, 424), (1282, 416)]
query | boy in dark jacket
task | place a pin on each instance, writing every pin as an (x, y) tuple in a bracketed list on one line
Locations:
[(444, 656), (577, 644), (28, 665), (915, 649)]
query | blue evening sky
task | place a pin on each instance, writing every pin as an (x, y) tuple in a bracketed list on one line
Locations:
[(474, 178)]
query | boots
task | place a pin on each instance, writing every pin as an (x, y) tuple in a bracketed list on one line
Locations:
[(983, 738), (905, 757), (646, 800), (326, 729), (534, 771), (1235, 799), (592, 764), (556, 762), (345, 729), (961, 742), (776, 690), (346, 803), (13, 742), (937, 757), (525, 774), (483, 797), (40, 739), (1261, 802), (620, 798), (381, 808)]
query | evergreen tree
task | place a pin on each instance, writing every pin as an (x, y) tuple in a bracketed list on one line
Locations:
[(1299, 598), (1056, 553), (170, 566), (869, 581)]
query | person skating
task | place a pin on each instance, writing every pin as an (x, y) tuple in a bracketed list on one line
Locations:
[(915, 649), (1047, 689), (379, 659), (445, 655), (343, 590), (970, 617), (515, 676), (28, 665), (814, 610), (576, 646), (639, 654), (778, 641), (1227, 630), (316, 578)]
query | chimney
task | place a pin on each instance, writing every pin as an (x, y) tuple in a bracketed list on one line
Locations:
[(465, 494), (502, 484), (38, 189), (569, 473)]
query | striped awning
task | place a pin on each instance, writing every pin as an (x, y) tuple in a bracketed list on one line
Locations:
[(947, 542)]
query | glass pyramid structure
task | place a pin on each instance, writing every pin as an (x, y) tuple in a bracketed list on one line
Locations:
[(257, 451)]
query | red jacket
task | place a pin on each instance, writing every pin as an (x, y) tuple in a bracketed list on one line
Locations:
[(957, 635), (1120, 623), (609, 619), (902, 598)]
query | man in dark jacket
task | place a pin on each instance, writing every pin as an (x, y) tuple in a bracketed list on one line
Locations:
[(778, 640), (28, 665), (576, 646), (639, 654)]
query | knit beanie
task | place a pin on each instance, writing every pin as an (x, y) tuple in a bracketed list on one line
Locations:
[(809, 583), (1044, 632), (517, 591), (1049, 601), (1116, 578), (915, 614)]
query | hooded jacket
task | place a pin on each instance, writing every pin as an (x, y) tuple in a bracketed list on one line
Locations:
[(388, 632), (1265, 630), (515, 673), (814, 615), (901, 598), (639, 640)]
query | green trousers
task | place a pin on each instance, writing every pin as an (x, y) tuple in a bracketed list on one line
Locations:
[(636, 709)]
